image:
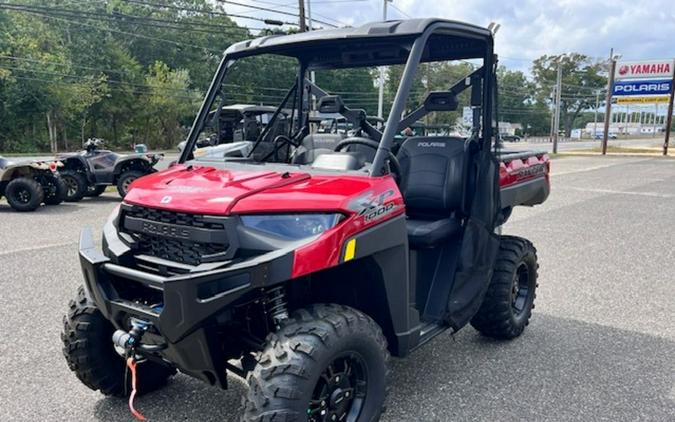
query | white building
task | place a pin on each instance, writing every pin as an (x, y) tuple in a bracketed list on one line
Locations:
[(509, 129), (624, 128)]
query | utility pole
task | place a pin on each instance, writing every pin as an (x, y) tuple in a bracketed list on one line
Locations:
[(595, 119), (380, 102), (550, 133), (312, 74), (556, 125), (301, 10), (608, 105), (669, 122)]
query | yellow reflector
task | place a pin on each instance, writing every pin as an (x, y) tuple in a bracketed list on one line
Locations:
[(350, 249)]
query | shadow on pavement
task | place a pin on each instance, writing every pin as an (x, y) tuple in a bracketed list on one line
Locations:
[(559, 370)]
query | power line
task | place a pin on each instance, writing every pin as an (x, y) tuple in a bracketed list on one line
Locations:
[(294, 6), (212, 12), (400, 11), (266, 9), (44, 15)]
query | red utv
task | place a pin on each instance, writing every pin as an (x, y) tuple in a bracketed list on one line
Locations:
[(305, 269)]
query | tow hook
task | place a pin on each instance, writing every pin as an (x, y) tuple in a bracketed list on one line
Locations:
[(130, 343), (129, 340)]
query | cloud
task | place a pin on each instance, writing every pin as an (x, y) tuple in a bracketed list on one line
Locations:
[(636, 29)]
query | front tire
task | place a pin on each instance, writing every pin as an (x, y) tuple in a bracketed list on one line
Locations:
[(126, 179), (76, 185), (327, 363), (508, 303), (57, 191), (24, 194), (95, 191), (89, 351)]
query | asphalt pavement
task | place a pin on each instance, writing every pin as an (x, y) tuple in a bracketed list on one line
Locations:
[(600, 346)]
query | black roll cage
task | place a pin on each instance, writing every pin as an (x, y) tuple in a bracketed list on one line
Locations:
[(482, 98)]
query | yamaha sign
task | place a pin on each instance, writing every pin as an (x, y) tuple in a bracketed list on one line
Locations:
[(650, 69)]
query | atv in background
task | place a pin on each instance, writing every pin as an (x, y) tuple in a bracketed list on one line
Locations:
[(26, 185), (241, 123), (90, 172)]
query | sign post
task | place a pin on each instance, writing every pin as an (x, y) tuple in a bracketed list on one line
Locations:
[(608, 103), (669, 122)]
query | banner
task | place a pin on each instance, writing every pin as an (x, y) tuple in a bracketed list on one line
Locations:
[(648, 99)]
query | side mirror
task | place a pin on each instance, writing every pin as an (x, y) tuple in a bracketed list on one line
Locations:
[(331, 104), (441, 101)]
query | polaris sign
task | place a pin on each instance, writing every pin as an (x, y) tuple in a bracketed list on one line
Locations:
[(646, 87)]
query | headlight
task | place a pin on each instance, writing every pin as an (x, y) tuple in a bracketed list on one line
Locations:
[(292, 226)]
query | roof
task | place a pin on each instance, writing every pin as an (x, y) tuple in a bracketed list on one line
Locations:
[(247, 108), (378, 32)]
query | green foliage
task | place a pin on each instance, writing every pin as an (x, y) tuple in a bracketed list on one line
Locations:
[(582, 79), (123, 71), (135, 71)]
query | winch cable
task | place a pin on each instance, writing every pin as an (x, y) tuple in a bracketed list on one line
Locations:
[(131, 364)]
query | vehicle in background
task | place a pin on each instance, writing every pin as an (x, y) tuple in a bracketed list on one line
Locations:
[(27, 185), (240, 123), (598, 136), (91, 171), (510, 138)]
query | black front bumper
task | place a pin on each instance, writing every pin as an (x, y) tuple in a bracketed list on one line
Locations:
[(185, 319)]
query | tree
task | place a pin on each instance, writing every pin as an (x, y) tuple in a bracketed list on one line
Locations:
[(581, 80), (169, 98)]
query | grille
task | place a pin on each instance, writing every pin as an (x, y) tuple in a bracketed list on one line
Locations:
[(185, 251), (182, 219)]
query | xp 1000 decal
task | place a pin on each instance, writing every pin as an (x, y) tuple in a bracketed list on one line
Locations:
[(373, 206)]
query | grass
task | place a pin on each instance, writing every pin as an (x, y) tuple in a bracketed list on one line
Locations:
[(613, 149)]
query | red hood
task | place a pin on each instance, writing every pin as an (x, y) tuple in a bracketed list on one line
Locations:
[(207, 190)]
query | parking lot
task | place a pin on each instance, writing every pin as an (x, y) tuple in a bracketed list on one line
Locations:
[(601, 344)]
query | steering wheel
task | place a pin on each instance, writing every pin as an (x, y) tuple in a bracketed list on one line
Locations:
[(278, 143), (394, 165)]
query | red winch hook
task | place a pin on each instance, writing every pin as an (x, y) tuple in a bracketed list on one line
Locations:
[(131, 364)]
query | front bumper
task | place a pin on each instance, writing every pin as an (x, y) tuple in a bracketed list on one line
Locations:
[(190, 302)]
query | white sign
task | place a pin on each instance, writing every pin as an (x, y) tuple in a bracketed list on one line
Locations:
[(467, 116), (644, 69)]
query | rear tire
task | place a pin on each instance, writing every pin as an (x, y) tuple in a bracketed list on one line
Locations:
[(57, 191), (24, 194), (508, 303), (126, 179), (89, 351), (76, 185), (95, 191), (322, 354)]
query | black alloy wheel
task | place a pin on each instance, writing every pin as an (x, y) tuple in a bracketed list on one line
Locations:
[(341, 391)]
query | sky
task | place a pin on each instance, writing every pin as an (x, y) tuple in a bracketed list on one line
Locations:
[(636, 29)]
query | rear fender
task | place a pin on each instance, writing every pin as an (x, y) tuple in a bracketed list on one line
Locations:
[(140, 163), (12, 172)]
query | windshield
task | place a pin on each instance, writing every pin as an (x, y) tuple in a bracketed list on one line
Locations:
[(269, 108)]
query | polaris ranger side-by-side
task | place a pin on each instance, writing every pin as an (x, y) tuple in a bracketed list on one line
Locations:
[(305, 269)]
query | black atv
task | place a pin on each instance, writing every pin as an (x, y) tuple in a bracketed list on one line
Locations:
[(90, 172), (26, 185)]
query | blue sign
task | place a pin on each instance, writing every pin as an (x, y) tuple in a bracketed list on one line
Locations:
[(646, 87)]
